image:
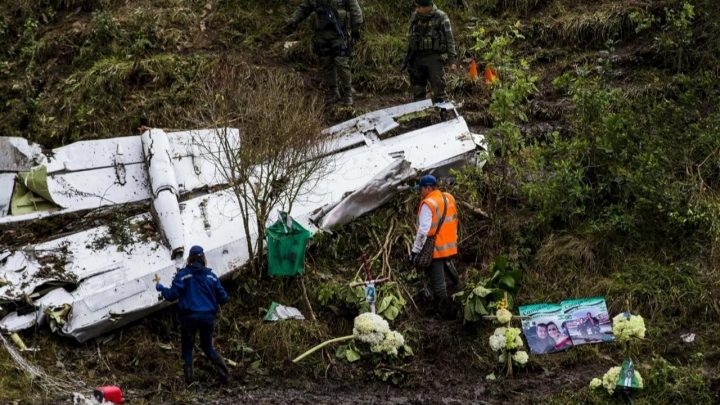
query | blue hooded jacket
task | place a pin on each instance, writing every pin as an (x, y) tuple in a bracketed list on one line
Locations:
[(198, 291)]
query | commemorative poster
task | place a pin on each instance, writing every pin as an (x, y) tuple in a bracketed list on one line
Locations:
[(545, 328), (551, 328), (587, 320)]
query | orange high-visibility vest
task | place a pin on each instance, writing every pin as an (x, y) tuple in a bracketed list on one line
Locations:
[(446, 240)]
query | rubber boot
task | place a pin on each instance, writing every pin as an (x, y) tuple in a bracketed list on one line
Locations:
[(188, 373), (222, 369)]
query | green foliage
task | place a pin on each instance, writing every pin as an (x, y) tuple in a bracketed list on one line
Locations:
[(481, 298), (623, 171), (642, 20), (383, 368), (85, 98), (390, 301), (348, 352), (508, 106), (376, 60), (15, 383), (676, 34), (678, 294), (339, 296), (677, 384)]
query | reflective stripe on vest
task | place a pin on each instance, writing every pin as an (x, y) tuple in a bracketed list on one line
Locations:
[(446, 239)]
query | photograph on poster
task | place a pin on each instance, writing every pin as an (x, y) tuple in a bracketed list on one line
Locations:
[(545, 329), (588, 320)]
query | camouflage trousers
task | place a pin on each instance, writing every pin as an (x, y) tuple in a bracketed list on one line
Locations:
[(428, 68), (335, 67), (337, 79)]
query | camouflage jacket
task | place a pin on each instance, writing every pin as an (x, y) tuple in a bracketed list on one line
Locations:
[(432, 33), (348, 13)]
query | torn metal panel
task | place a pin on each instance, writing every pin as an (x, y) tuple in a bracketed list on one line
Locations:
[(16, 154), (366, 128), (113, 285), (92, 174), (7, 181), (374, 194)]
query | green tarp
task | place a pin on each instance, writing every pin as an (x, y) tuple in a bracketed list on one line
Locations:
[(31, 192), (286, 241)]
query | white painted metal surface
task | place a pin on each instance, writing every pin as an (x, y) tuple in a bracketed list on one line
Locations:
[(113, 287), (164, 188)]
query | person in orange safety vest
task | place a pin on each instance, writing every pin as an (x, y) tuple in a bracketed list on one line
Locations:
[(433, 204)]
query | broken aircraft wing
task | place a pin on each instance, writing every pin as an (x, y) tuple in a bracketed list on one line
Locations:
[(84, 284)]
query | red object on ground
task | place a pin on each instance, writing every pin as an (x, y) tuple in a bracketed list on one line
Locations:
[(490, 75), (473, 71), (109, 393)]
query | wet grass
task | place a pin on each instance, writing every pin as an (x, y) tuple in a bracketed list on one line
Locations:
[(117, 63)]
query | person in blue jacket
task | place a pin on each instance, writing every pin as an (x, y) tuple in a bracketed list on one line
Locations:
[(199, 294)]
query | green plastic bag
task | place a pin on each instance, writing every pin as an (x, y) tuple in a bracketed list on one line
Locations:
[(286, 242)]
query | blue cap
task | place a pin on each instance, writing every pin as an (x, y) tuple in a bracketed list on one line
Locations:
[(428, 180), (196, 251)]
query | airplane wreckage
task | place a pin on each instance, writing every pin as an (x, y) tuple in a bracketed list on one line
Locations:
[(83, 289)]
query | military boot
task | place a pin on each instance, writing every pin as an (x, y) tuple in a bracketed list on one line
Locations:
[(347, 101), (222, 369), (188, 373), (331, 97)]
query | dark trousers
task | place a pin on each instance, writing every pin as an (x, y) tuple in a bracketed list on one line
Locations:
[(189, 327), (439, 268), (424, 69)]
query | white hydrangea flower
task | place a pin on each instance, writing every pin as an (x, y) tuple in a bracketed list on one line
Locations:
[(501, 358), (503, 316), (520, 357), (595, 383), (391, 343), (497, 340), (627, 326), (370, 328)]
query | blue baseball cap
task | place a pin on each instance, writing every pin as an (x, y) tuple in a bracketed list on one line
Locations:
[(196, 251), (428, 180)]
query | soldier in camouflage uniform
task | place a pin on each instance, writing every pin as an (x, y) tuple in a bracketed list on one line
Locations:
[(430, 47), (332, 43)]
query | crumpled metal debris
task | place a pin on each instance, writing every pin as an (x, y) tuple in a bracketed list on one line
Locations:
[(107, 287)]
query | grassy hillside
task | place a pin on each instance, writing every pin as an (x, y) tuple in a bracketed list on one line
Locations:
[(603, 179)]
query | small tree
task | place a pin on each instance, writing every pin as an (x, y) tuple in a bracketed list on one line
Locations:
[(279, 151)]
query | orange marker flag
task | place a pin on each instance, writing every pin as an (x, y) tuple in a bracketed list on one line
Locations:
[(490, 75), (473, 71)]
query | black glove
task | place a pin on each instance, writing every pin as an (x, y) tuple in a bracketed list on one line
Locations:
[(412, 258), (355, 36), (289, 28)]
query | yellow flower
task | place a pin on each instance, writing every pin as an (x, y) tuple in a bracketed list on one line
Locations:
[(512, 338), (627, 326), (609, 380)]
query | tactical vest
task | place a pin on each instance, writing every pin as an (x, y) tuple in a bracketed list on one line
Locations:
[(446, 239), (427, 34), (342, 11)]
